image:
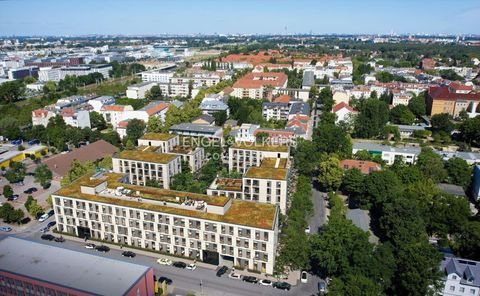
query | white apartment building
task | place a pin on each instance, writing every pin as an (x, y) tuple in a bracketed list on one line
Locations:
[(99, 102), (114, 114), (246, 132), (138, 91), (276, 111), (171, 144), (82, 70), (460, 277), (142, 166), (157, 76), (41, 117), (164, 142), (243, 155), (49, 74), (216, 230), (401, 99), (389, 153)]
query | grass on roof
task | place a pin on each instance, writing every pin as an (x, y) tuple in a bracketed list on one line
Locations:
[(245, 213), (260, 147), (270, 162), (266, 173), (146, 156), (158, 136), (229, 184), (147, 148)]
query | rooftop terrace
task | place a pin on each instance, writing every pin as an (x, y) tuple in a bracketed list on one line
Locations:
[(229, 184), (147, 156), (266, 173), (156, 199), (158, 136)]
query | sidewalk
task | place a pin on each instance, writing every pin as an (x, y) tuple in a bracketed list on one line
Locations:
[(292, 279)]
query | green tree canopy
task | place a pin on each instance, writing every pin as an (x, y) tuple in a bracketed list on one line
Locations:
[(400, 114)]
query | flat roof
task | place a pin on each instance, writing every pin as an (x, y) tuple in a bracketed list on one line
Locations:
[(146, 156), (199, 128), (266, 173), (241, 212), (385, 148), (229, 184), (260, 147), (158, 136), (84, 272)]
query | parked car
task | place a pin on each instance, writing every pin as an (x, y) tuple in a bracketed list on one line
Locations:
[(59, 239), (250, 279), (164, 279), (164, 261), (33, 142), (48, 237), (13, 197), (222, 271), (322, 286), (265, 282), (191, 267), (282, 286), (44, 230), (180, 264), (304, 277), (103, 249), (90, 246), (25, 220), (5, 228), (235, 276), (128, 254), (51, 224), (30, 190), (43, 217), (30, 174), (51, 213), (307, 230)]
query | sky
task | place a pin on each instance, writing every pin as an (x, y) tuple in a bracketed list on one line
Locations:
[(133, 17)]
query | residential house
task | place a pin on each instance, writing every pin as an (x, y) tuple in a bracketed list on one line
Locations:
[(343, 112), (204, 119), (389, 154), (460, 277), (366, 167)]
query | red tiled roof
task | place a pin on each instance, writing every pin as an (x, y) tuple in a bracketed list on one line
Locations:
[(443, 93), (340, 106), (283, 99), (364, 166), (68, 112), (123, 124), (227, 90), (60, 164), (117, 108), (457, 86), (261, 57), (40, 113), (157, 108), (258, 80)]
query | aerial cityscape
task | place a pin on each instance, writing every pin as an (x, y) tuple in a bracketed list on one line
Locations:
[(183, 147)]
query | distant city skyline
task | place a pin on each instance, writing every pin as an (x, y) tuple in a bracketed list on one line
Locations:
[(150, 17)]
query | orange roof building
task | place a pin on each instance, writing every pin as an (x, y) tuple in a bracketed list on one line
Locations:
[(256, 85), (365, 167)]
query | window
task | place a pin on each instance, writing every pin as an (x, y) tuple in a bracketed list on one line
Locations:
[(454, 277), (472, 291), (452, 288), (462, 289)]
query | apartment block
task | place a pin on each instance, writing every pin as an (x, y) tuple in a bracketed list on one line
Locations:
[(139, 90), (267, 183), (452, 100), (142, 166), (389, 153), (216, 230), (243, 155), (172, 144)]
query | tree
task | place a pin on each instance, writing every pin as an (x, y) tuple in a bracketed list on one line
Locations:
[(417, 105), (154, 125), (9, 214), (326, 98), (400, 114), (155, 93), (353, 184), (97, 121), (34, 208), (442, 123), (220, 117), (470, 131), (371, 120), (330, 138), (29, 79), (330, 175), (16, 173), (262, 137), (77, 170), (467, 241), (431, 165), (459, 172), (135, 130), (7, 191), (353, 285), (306, 157), (43, 175), (380, 188), (11, 91)]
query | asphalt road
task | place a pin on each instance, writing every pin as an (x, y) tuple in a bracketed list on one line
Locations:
[(184, 281), (319, 204)]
